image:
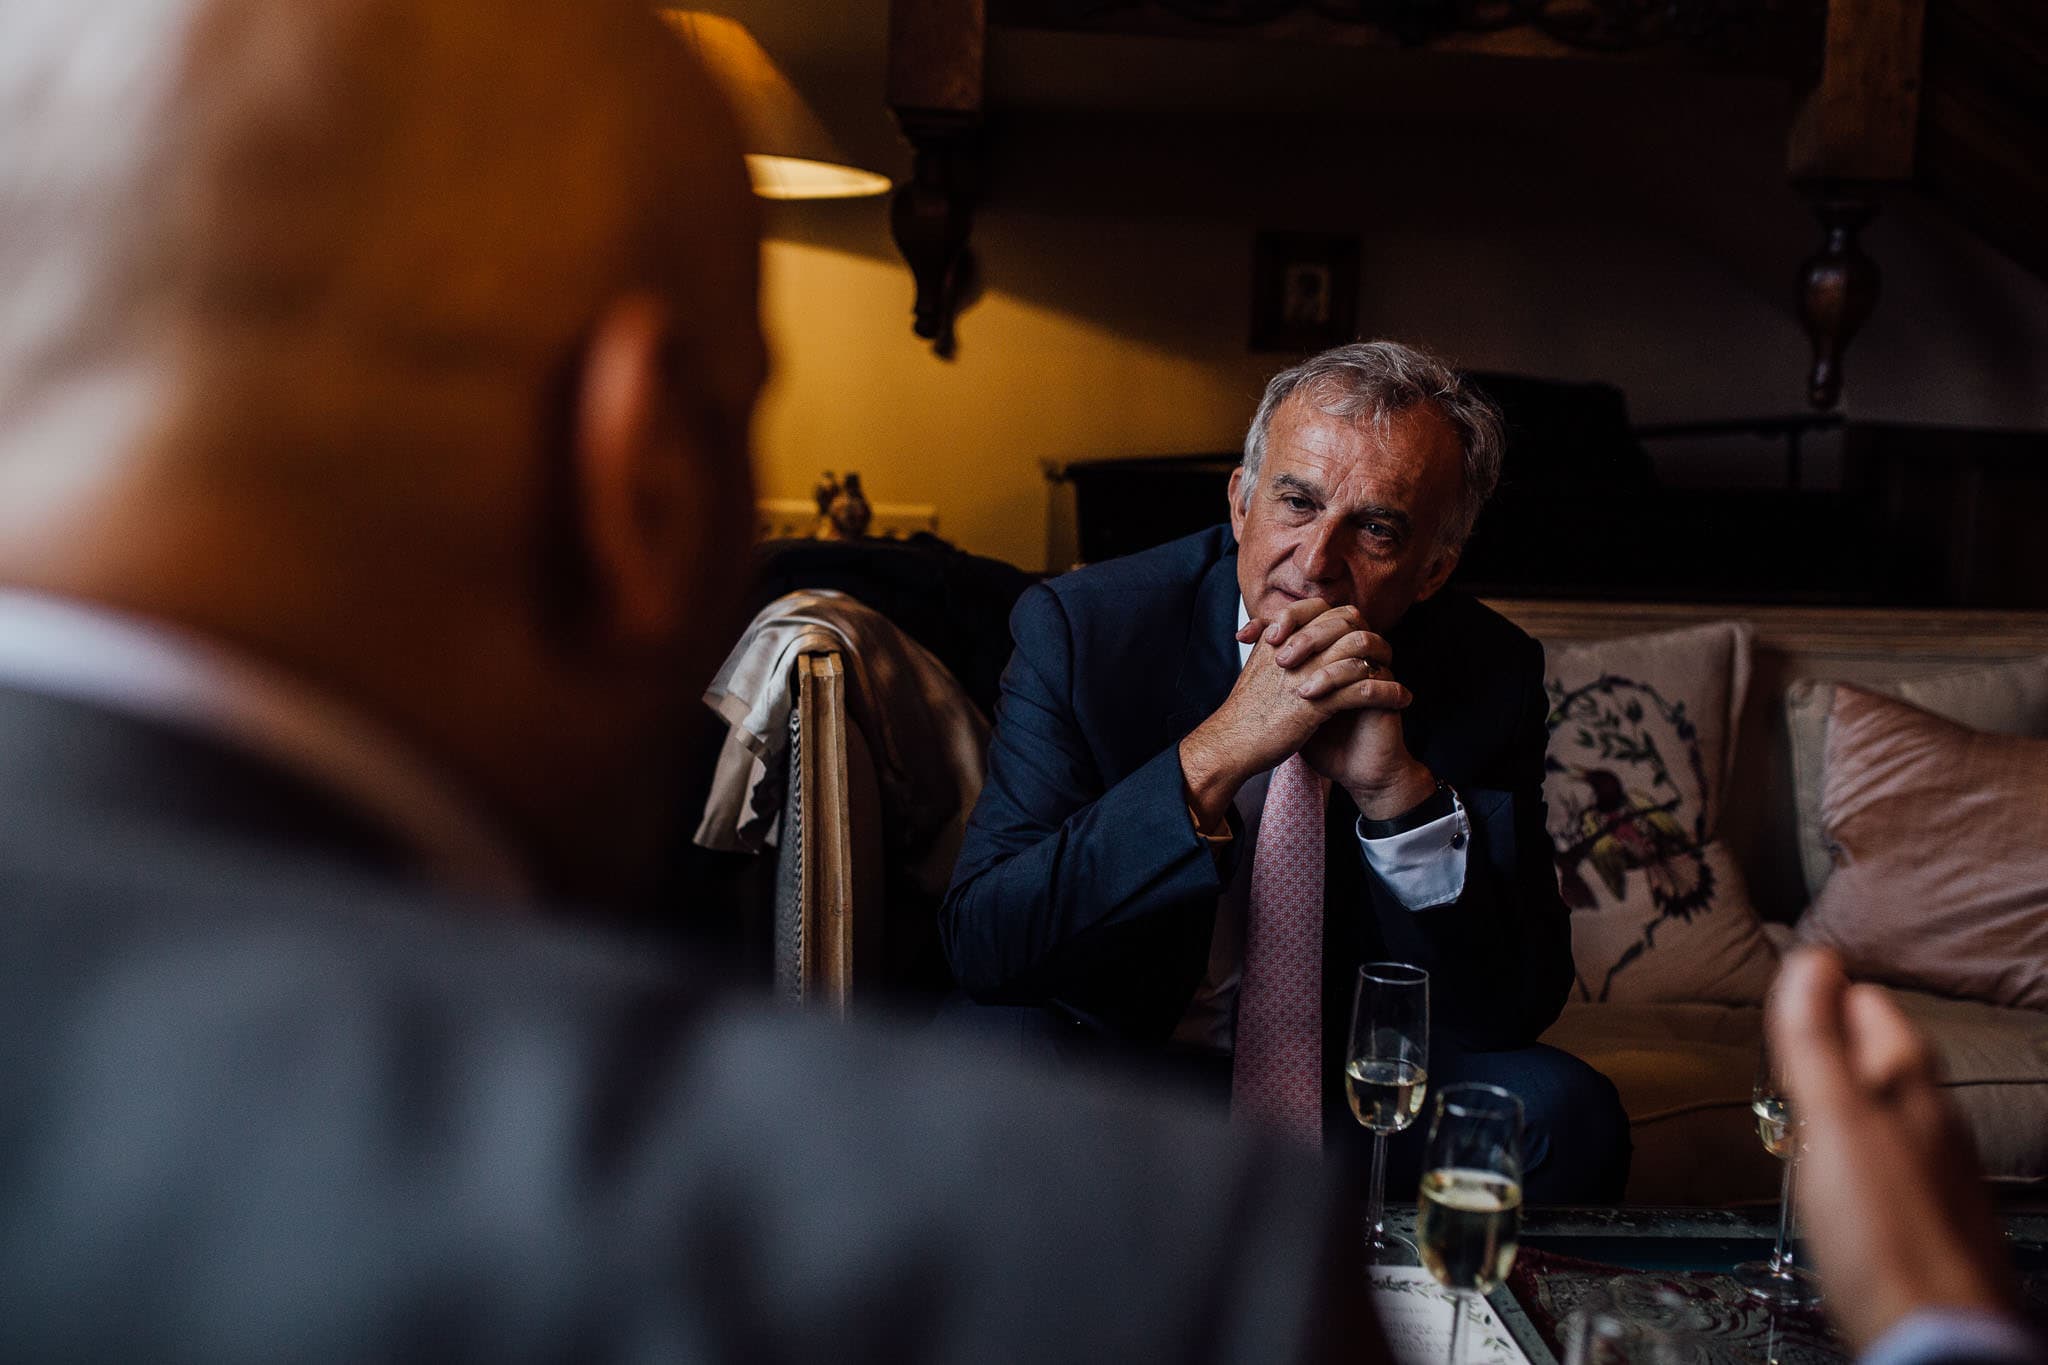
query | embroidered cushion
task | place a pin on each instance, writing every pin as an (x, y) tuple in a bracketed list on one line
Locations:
[(1642, 739)]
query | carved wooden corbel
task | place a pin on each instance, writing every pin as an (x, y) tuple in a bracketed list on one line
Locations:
[(931, 216), (936, 58)]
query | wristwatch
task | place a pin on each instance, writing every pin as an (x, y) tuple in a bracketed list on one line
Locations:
[(1439, 803)]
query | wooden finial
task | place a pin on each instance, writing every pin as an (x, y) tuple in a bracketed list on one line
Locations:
[(1838, 288)]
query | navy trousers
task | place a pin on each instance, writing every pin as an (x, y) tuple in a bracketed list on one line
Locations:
[(1575, 1141), (1575, 1138)]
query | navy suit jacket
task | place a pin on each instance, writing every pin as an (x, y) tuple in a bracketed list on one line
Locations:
[(1083, 885)]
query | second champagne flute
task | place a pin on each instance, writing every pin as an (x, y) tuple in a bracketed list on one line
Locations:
[(1778, 1280), (1386, 1069), (1470, 1220)]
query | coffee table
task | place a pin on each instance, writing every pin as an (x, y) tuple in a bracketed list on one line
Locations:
[(1567, 1252)]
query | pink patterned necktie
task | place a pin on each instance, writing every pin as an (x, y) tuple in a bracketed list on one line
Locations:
[(1276, 1076)]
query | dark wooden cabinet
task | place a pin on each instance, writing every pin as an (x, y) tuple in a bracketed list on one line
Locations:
[(1919, 516)]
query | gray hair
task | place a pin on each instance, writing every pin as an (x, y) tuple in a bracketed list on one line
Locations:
[(1378, 380)]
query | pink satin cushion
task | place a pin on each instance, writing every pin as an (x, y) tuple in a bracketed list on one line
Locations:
[(1941, 865)]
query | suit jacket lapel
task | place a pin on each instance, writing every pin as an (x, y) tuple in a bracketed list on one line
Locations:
[(1208, 662), (1418, 663)]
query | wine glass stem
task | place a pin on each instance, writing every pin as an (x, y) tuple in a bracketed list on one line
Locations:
[(1376, 1205), (1781, 1258), (1457, 1325)]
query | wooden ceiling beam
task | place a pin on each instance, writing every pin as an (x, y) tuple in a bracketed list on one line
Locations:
[(1862, 121)]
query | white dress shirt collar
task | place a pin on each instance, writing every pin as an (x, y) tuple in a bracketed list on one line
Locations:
[(69, 650)]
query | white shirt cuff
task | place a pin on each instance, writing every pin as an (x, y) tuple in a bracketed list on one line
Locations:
[(1935, 1334), (1424, 867)]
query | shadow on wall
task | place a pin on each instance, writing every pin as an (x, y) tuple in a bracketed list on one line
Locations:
[(1569, 244), (1960, 335)]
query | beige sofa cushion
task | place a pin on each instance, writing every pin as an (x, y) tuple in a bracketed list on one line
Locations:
[(1642, 735), (1994, 1062), (1684, 1072), (2006, 699)]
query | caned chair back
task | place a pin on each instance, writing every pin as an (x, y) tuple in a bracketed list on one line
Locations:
[(828, 866)]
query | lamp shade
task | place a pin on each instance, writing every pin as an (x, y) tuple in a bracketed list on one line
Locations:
[(789, 153)]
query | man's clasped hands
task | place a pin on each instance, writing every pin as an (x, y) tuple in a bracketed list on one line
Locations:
[(1321, 684)]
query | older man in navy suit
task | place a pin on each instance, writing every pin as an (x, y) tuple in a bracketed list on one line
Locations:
[(1184, 735)]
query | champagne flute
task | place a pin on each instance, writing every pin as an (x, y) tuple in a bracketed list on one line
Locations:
[(1386, 1070), (1778, 1281), (1470, 1219)]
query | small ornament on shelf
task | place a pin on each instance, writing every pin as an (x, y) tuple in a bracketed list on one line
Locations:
[(843, 509)]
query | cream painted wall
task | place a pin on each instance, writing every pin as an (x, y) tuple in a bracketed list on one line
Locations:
[(849, 392), (1032, 383)]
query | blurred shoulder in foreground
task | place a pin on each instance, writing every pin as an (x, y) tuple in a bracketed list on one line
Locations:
[(269, 1102)]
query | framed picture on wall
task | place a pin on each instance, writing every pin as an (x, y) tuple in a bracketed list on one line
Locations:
[(1304, 291)]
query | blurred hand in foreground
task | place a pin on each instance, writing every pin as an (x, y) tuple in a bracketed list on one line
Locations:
[(1890, 1193)]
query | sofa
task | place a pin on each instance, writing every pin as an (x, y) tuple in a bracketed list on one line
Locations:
[(1685, 1067), (1685, 1063)]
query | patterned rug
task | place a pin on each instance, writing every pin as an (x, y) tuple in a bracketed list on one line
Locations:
[(1718, 1321), (1712, 1314)]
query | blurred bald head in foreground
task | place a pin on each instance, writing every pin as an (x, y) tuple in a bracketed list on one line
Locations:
[(374, 386), (407, 347)]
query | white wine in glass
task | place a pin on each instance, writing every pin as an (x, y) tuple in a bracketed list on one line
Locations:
[(1469, 1222), (1468, 1226), (1773, 1123), (1385, 1095), (1386, 1071)]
